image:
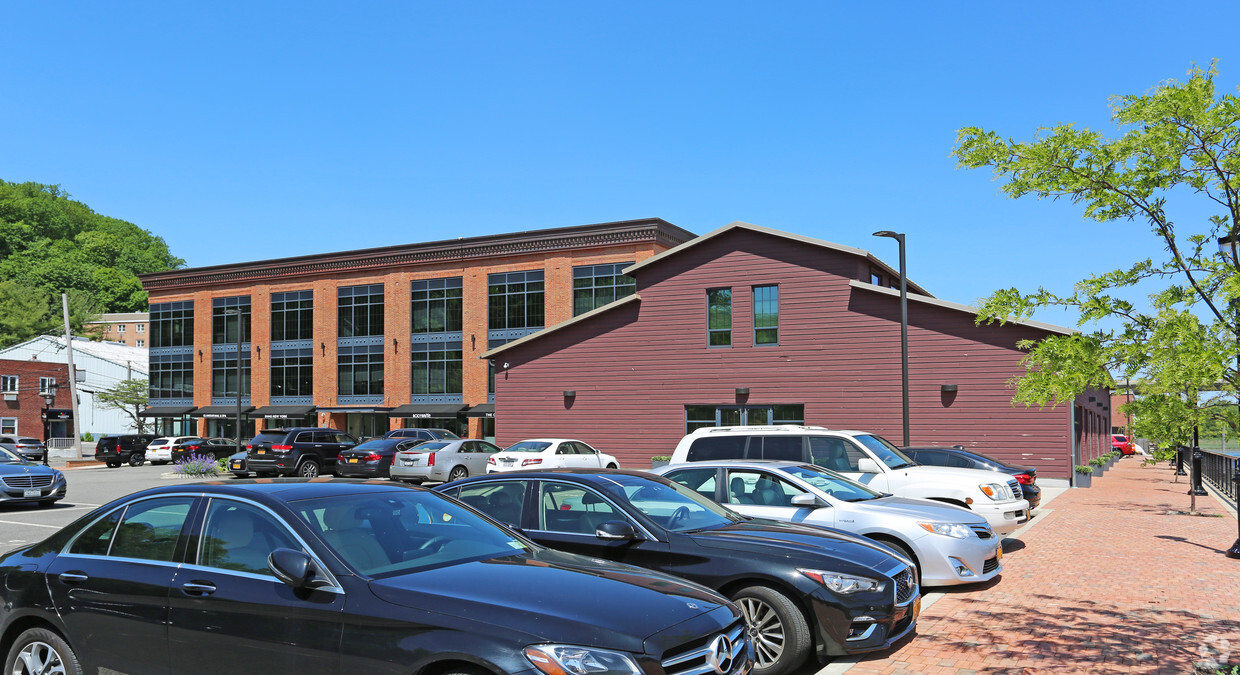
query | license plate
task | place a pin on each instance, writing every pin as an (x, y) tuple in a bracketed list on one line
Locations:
[(507, 461), (32, 492), (917, 607), (353, 460), (262, 452), (236, 465)]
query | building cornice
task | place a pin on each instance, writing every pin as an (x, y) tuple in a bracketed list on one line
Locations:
[(652, 230)]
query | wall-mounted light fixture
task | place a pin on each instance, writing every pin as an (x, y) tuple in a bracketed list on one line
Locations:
[(569, 393), (259, 350), (742, 391), (200, 355), (948, 388), (505, 365), (394, 347), (323, 348)]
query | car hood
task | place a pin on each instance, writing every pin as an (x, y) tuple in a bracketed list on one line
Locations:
[(923, 510), (791, 540), (25, 467), (973, 476), (553, 595)]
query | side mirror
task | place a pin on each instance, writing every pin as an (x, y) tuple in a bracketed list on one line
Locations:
[(617, 530), (294, 568), (807, 500), (867, 465)]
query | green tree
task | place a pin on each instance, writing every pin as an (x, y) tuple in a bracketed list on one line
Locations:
[(129, 397), (1181, 137)]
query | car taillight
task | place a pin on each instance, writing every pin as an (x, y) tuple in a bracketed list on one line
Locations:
[(248, 446), (372, 457), (281, 448), (340, 457), (1023, 478), (491, 461), (527, 462), (190, 447), (430, 459)]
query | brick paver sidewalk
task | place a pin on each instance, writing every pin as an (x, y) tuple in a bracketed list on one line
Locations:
[(1111, 579)]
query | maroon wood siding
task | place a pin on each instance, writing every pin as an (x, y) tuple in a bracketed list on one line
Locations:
[(635, 368)]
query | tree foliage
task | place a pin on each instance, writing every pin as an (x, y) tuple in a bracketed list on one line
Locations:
[(129, 397), (51, 244), (1178, 139)]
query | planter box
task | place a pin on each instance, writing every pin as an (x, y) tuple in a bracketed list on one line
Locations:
[(1084, 480), (656, 463), (1097, 471)]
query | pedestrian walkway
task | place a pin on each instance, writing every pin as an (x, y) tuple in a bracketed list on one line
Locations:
[(1116, 578)]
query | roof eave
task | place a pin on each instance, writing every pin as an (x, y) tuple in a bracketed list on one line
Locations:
[(563, 324), (929, 300)]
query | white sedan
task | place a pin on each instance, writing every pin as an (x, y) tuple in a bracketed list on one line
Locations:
[(549, 453), (159, 451)]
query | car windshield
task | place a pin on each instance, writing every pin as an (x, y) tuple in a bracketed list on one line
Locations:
[(378, 444), (886, 452), (671, 505), (7, 455), (528, 446), (833, 483), (398, 532)]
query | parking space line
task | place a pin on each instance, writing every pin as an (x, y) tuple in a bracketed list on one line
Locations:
[(11, 522)]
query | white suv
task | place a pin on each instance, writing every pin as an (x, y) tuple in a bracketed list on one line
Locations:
[(866, 458)]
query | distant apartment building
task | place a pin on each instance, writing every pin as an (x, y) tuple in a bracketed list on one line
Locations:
[(128, 328)]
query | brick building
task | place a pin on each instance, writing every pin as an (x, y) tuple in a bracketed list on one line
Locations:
[(23, 386), (373, 339), (127, 328)]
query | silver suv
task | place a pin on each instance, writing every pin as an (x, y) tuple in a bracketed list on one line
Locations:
[(30, 448)]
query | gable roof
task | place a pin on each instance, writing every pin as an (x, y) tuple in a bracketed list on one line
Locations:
[(113, 352), (927, 300), (563, 324), (739, 225)]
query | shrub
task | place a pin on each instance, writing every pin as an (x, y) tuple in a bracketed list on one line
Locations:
[(1081, 468), (1097, 461), (87, 437), (197, 466), (661, 458)]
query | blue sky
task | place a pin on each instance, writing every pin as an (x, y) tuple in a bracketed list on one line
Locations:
[(244, 131)]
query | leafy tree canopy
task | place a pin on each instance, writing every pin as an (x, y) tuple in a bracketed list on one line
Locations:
[(51, 244), (1181, 137), (129, 397)]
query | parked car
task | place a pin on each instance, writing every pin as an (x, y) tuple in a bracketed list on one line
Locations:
[(549, 453), (341, 577), (31, 448), (300, 451), (443, 460), (218, 448), (373, 458), (958, 457), (801, 588), (950, 545), (159, 451), (422, 434), (237, 465), (22, 480), (1120, 442), (866, 458), (117, 449)]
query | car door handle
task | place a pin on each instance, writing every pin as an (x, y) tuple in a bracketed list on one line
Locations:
[(198, 588), (73, 577)]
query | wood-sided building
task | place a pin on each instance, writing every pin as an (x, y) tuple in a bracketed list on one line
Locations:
[(749, 325)]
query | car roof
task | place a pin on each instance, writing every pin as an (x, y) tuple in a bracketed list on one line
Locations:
[(580, 475), (775, 429), (742, 463), (285, 489), (549, 440)]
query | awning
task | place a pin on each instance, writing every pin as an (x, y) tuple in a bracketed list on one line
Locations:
[(481, 410), (358, 409), (220, 412), (166, 411), (54, 414), (282, 412), (427, 410)]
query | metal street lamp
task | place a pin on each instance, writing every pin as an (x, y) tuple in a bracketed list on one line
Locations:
[(237, 312), (899, 236), (49, 399)]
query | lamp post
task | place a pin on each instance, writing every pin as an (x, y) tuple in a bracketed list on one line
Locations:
[(49, 399), (238, 313), (899, 236)]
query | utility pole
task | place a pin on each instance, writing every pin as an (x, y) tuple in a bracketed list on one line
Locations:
[(73, 394)]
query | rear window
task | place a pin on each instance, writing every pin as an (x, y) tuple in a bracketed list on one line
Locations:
[(159, 441), (31, 441), (717, 447), (269, 437)]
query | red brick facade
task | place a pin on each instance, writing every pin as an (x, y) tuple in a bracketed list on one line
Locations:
[(24, 408)]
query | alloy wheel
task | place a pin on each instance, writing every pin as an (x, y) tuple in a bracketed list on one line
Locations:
[(765, 629), (458, 473), (38, 658)]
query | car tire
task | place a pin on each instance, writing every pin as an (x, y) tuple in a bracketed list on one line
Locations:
[(114, 465), (781, 637), (47, 504), (45, 648), (308, 469), (612, 466), (136, 460), (903, 549), (264, 474), (457, 473)]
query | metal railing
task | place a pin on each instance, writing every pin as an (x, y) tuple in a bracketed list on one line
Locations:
[(59, 443), (1217, 470)]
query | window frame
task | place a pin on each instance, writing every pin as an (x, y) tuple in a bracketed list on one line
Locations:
[(712, 331), (758, 313), (10, 384)]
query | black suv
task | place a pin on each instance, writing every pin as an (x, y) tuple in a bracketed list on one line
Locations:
[(117, 449), (300, 451), (423, 434)]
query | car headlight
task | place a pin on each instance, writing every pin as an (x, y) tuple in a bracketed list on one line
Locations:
[(996, 491), (844, 584), (573, 660), (957, 530)]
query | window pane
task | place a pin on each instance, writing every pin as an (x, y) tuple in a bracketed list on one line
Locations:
[(149, 529)]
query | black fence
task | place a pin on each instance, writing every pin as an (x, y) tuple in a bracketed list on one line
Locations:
[(1217, 470)]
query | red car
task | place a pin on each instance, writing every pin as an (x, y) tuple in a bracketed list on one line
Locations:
[(1120, 442)]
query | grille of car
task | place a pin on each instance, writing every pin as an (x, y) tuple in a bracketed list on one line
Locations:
[(982, 531), (27, 481), (1015, 486), (990, 565), (904, 586), (698, 657)]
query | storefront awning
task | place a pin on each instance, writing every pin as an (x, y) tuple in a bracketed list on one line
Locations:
[(282, 412), (220, 412), (481, 410), (166, 411), (358, 409), (427, 410)]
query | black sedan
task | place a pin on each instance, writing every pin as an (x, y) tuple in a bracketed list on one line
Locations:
[(22, 480), (372, 459), (341, 577), (800, 587), (957, 456), (218, 448)]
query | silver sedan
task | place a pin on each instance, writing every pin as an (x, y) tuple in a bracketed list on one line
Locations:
[(950, 545), (442, 460)]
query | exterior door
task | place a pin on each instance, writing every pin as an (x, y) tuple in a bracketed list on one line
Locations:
[(568, 516), (475, 455), (228, 612)]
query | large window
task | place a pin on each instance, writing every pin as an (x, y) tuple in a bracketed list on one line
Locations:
[(515, 300), (8, 384), (698, 416), (172, 324), (597, 285), (360, 370), (229, 315), (766, 315), (172, 346), (437, 368), (172, 376), (360, 311), (292, 316), (224, 381), (292, 372), (436, 305), (719, 317), (47, 385)]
